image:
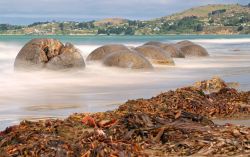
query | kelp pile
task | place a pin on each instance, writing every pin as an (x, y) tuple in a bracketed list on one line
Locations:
[(226, 103), (174, 123)]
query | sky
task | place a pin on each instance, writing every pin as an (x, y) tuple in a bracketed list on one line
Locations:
[(29, 11)]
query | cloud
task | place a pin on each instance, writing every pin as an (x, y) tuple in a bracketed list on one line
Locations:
[(15, 11)]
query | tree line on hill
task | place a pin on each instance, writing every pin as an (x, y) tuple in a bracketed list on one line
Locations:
[(189, 24)]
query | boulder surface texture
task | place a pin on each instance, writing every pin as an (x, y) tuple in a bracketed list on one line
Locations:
[(48, 54)]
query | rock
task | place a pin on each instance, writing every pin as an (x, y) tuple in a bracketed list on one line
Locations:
[(155, 54), (236, 50), (101, 52), (37, 52), (70, 57), (194, 51), (127, 59), (42, 53), (184, 43), (213, 85), (154, 43), (173, 50), (190, 49)]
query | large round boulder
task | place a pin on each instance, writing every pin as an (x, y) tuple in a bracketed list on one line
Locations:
[(69, 58), (42, 53), (101, 52), (190, 49), (154, 43), (194, 51), (173, 50), (184, 43), (155, 54), (127, 59)]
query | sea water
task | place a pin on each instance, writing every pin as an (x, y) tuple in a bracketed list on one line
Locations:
[(40, 95)]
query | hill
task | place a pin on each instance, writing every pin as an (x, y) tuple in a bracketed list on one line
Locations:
[(209, 19), (204, 11), (110, 21)]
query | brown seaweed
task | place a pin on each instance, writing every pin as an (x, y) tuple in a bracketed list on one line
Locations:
[(175, 123)]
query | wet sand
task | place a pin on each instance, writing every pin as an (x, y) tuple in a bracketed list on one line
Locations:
[(243, 122), (174, 123)]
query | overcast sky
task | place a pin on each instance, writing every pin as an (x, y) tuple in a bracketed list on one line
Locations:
[(29, 11)]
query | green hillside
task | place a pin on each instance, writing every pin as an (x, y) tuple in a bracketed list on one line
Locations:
[(209, 19), (204, 11)]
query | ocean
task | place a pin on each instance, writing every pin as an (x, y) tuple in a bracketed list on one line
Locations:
[(41, 95)]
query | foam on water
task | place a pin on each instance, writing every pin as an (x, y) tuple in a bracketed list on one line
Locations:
[(99, 88), (223, 41)]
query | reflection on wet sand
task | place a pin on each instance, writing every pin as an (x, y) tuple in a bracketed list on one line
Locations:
[(40, 117), (242, 122), (48, 107)]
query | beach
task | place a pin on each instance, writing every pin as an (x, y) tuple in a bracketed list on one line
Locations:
[(42, 95), (174, 123), (170, 110)]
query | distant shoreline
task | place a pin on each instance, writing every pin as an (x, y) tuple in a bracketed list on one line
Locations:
[(228, 19), (123, 35)]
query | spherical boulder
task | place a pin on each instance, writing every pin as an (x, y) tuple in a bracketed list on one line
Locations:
[(173, 50), (37, 54), (184, 43), (69, 58), (190, 49), (194, 51), (154, 43), (101, 52), (127, 59), (155, 54)]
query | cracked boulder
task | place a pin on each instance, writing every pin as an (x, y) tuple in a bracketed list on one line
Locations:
[(50, 54)]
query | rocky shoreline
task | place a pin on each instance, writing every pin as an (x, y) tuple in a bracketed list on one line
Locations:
[(174, 123)]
